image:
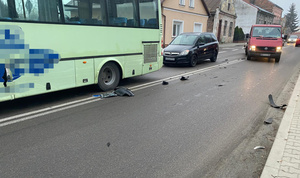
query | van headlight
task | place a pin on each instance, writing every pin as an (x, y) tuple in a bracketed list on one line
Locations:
[(252, 48), (278, 49), (184, 53)]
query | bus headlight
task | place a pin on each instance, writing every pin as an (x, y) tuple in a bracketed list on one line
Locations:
[(252, 48), (184, 53), (278, 49)]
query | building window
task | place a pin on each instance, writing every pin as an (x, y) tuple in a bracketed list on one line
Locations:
[(228, 6), (230, 29), (225, 27), (177, 28), (197, 27), (192, 3), (182, 2)]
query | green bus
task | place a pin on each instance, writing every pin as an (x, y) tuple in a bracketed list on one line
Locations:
[(51, 45)]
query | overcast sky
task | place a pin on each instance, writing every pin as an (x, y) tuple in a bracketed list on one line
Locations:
[(285, 5)]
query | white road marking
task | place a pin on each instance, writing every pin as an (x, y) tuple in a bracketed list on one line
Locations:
[(45, 111), (65, 106)]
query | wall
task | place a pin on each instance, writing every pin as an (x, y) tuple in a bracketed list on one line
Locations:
[(278, 13), (173, 11), (225, 38), (245, 11)]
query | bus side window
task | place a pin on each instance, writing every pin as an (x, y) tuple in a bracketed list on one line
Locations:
[(123, 13), (4, 10), (85, 12), (149, 13), (31, 10)]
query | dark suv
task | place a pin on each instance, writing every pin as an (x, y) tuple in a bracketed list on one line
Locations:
[(190, 48)]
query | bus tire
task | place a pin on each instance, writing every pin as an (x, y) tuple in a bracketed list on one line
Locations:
[(109, 77), (277, 59)]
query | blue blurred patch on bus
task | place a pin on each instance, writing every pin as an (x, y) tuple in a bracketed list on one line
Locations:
[(19, 58)]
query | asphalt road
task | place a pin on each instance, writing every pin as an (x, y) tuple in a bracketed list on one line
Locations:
[(182, 129)]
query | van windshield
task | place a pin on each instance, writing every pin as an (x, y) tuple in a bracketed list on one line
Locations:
[(268, 32), (184, 40)]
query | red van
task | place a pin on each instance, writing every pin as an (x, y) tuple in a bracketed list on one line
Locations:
[(264, 41)]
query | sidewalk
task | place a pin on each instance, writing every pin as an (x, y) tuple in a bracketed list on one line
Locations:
[(284, 158), (228, 45)]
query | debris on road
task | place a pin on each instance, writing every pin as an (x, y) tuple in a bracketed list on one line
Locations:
[(106, 95), (117, 92), (273, 104), (123, 92), (184, 78), (165, 83), (269, 121), (259, 147), (108, 144)]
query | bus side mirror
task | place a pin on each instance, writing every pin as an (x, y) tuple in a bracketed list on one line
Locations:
[(7, 76), (247, 35)]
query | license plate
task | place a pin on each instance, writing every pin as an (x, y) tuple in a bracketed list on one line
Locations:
[(265, 55), (169, 59)]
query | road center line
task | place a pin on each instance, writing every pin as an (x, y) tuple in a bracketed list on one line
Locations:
[(58, 107)]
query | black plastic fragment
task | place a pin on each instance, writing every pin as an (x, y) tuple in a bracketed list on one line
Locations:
[(184, 78), (269, 121), (165, 83), (273, 104), (123, 92), (117, 92), (4, 77)]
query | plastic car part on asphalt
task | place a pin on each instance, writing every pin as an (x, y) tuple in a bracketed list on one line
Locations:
[(117, 92), (269, 121), (273, 104)]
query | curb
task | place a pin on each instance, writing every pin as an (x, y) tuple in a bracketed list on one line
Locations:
[(275, 158)]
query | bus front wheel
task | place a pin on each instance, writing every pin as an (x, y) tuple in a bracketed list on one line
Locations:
[(109, 77)]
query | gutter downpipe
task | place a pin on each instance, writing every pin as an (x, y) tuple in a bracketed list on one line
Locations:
[(164, 24), (164, 31)]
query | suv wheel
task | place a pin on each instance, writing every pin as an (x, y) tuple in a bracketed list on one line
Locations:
[(214, 57), (193, 61)]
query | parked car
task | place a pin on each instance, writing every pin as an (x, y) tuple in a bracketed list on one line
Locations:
[(292, 39), (190, 48), (264, 41), (297, 43)]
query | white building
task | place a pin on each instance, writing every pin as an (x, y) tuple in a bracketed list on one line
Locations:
[(250, 14), (246, 15)]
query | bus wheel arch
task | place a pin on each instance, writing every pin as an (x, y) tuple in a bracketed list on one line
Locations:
[(109, 76)]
